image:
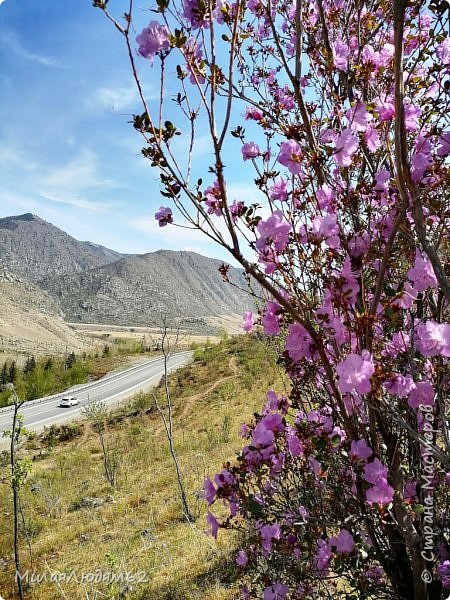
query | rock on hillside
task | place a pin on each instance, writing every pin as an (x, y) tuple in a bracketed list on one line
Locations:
[(31, 248), (140, 289)]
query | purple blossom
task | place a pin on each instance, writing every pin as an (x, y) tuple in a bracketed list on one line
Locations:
[(372, 139), (270, 319), (268, 534), (423, 393), (422, 275), (381, 493), (237, 209), (276, 591), (321, 560), (153, 39), (376, 474), (340, 54), (290, 156), (164, 216), (400, 385), (343, 542), (433, 339), (346, 146), (359, 117), (248, 321), (443, 51), (213, 523), (253, 113), (360, 450), (196, 12), (279, 190), (250, 150), (241, 559), (210, 491), (298, 342), (274, 230), (444, 148), (412, 114), (355, 372)]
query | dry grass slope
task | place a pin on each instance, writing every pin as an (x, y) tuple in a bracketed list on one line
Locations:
[(137, 527)]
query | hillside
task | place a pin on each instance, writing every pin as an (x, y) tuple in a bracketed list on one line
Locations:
[(77, 523), (141, 289), (31, 322), (31, 248), (92, 284)]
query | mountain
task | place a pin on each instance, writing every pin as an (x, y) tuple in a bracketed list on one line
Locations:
[(31, 248), (93, 284), (31, 322)]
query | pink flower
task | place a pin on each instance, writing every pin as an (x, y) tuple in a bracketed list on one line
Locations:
[(355, 372), (210, 491), (213, 523), (241, 559), (270, 318), (443, 51), (412, 114), (250, 150), (248, 321), (433, 339), (327, 228), (385, 110), (345, 147), (372, 139), (444, 148), (274, 230), (253, 113), (153, 39), (376, 474), (422, 274), (381, 493), (325, 196), (340, 54), (343, 542), (360, 450), (400, 386), (359, 117), (298, 342), (279, 190), (290, 156), (276, 591), (423, 393), (164, 216), (268, 534)]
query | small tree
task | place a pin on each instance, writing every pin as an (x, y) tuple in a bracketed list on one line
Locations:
[(96, 411), (19, 471), (168, 345)]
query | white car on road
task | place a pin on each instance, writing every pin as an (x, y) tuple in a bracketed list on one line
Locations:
[(69, 401)]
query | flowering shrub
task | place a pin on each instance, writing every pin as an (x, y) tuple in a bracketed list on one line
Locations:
[(341, 489)]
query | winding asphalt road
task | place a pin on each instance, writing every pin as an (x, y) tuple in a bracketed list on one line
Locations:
[(111, 389)]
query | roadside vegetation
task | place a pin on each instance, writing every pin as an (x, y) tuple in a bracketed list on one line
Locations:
[(75, 522), (43, 376)]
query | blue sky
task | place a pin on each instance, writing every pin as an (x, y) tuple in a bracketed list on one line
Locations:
[(67, 150)]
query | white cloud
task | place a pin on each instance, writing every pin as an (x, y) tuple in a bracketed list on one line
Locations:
[(14, 44), (80, 173), (77, 202)]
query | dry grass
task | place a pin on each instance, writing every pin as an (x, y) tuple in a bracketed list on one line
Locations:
[(139, 528)]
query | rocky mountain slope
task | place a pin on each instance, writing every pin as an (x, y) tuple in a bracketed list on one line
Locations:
[(92, 284), (31, 248), (31, 322)]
